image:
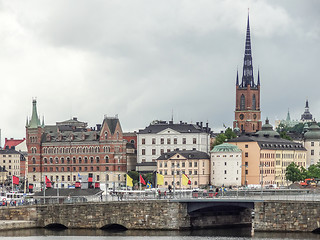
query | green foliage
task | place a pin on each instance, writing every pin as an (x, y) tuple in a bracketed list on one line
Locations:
[(293, 173), (222, 137), (285, 136)]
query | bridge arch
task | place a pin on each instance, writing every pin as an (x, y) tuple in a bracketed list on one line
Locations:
[(114, 227), (56, 226)]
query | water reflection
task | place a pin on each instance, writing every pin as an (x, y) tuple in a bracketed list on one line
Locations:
[(231, 233)]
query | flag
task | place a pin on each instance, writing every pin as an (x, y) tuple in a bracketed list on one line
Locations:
[(149, 185), (160, 179), (48, 182), (79, 176), (142, 180), (185, 180), (15, 180), (129, 181)]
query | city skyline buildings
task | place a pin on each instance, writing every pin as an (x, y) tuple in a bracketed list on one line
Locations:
[(78, 68)]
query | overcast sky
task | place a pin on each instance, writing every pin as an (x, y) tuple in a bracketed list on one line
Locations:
[(145, 59)]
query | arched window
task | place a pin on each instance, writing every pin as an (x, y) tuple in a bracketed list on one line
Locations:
[(254, 102), (242, 102), (107, 159)]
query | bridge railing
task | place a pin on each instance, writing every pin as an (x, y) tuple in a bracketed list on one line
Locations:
[(284, 194)]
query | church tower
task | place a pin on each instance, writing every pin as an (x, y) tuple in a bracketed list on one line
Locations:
[(247, 112)]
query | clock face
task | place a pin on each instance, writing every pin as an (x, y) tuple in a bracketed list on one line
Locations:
[(254, 116), (241, 116)]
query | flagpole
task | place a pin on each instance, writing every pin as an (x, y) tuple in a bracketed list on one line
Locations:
[(12, 183)]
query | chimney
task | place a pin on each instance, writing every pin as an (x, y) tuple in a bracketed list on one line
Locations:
[(98, 127)]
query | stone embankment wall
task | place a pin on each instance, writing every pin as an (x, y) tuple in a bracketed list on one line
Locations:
[(132, 215), (287, 216)]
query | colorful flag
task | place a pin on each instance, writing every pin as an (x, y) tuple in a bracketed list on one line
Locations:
[(160, 179), (15, 180), (129, 181), (149, 185), (48, 182), (185, 180), (142, 180)]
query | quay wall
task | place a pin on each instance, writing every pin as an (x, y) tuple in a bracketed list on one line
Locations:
[(287, 216)]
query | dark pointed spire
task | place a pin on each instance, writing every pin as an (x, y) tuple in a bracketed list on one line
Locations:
[(237, 82), (258, 83), (247, 76), (307, 104)]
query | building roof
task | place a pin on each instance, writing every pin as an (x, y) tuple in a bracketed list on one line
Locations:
[(267, 130), (12, 142), (188, 154), (306, 116), (181, 127), (9, 151), (269, 142), (35, 121), (313, 132), (226, 147)]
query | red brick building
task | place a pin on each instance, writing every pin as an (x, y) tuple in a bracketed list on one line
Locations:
[(70, 151), (247, 112)]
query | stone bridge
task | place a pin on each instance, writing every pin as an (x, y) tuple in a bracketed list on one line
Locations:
[(170, 215)]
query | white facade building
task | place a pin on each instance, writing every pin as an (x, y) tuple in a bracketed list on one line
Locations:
[(312, 144), (225, 165), (161, 137)]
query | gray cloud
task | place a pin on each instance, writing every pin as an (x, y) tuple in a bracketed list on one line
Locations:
[(144, 59)]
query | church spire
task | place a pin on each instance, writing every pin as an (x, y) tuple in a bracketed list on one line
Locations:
[(247, 75), (35, 121), (237, 82)]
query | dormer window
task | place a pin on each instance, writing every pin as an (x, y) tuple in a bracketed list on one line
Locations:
[(105, 135), (48, 138)]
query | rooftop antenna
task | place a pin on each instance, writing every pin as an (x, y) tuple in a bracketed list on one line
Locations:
[(172, 115)]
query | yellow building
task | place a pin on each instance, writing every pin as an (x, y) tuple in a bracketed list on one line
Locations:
[(266, 156), (193, 163)]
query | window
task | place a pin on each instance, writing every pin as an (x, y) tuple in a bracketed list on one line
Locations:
[(246, 146), (190, 164), (312, 144), (225, 171), (312, 152), (175, 141), (194, 141), (153, 151), (143, 141), (168, 141), (246, 171), (143, 151), (246, 154), (225, 163), (195, 172), (184, 141), (246, 164), (183, 164), (105, 135), (196, 164), (161, 151), (162, 141), (153, 141), (107, 159), (254, 102), (242, 102)]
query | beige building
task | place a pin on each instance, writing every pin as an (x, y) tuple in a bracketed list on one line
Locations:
[(193, 163), (266, 156), (9, 163)]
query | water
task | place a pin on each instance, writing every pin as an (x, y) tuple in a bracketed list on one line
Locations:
[(221, 234)]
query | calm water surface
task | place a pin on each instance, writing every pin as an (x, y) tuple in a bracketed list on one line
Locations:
[(223, 234)]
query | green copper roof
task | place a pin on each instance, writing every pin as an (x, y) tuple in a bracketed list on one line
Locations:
[(267, 129), (35, 121), (225, 147), (313, 132)]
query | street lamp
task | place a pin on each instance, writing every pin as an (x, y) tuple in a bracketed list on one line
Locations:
[(262, 165), (245, 173)]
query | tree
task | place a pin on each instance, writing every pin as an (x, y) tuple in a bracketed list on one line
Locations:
[(314, 171), (222, 137), (284, 135), (293, 173)]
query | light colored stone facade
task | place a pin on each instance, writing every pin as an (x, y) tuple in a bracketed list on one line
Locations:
[(226, 165), (162, 137)]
